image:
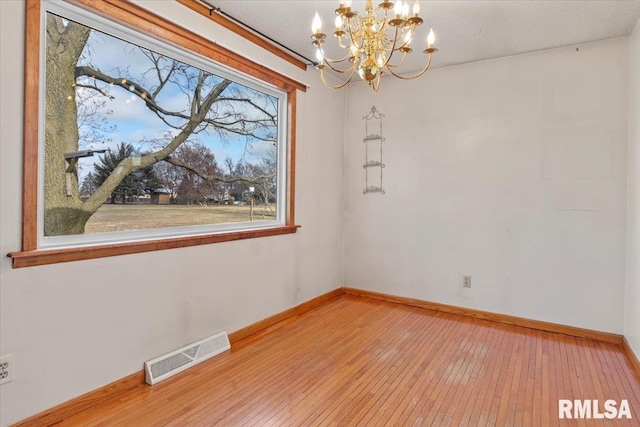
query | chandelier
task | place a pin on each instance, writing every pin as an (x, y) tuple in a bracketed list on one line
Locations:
[(378, 41)]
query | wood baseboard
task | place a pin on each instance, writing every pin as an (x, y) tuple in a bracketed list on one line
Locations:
[(114, 390), (633, 359), (285, 316), (496, 317), (81, 403), (59, 413)]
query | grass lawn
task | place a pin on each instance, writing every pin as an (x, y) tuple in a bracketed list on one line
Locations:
[(137, 217)]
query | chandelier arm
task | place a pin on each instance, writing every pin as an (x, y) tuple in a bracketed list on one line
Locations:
[(336, 61), (393, 49), (411, 77), (341, 85), (381, 22), (338, 70), (399, 64), (330, 61), (386, 44), (350, 32), (375, 85), (344, 46), (385, 39), (384, 22), (412, 30)]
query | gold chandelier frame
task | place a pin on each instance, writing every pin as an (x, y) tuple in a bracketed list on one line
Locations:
[(371, 41)]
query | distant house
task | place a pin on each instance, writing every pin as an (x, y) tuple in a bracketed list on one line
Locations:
[(160, 198)]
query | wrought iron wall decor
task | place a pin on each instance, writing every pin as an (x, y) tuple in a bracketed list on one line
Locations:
[(373, 165)]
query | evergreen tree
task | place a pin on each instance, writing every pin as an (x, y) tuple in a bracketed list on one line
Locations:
[(139, 182)]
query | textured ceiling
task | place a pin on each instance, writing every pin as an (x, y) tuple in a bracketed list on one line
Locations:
[(466, 31)]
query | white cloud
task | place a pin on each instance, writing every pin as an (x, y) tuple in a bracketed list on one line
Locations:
[(261, 149)]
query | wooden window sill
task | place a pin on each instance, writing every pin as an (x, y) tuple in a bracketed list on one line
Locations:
[(53, 256)]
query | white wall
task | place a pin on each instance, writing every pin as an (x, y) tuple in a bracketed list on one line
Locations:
[(511, 171), (632, 297), (77, 326)]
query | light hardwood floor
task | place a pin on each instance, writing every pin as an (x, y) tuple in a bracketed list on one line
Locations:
[(359, 361)]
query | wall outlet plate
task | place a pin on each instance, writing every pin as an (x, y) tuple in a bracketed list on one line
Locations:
[(6, 368), (466, 281)]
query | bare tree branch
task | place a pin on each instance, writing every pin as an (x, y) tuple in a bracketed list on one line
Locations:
[(258, 180), (126, 166), (96, 88), (162, 81), (132, 87), (206, 105), (249, 101)]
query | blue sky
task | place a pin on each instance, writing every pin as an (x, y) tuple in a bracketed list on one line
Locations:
[(130, 121)]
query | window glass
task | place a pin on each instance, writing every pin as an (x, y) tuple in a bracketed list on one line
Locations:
[(141, 139)]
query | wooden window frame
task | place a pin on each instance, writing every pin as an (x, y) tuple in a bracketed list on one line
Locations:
[(254, 38), (130, 15)]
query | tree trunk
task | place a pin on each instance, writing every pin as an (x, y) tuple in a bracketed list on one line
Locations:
[(63, 213), (66, 213)]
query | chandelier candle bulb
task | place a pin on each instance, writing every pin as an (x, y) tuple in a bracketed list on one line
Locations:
[(431, 38), (407, 38), (416, 9), (338, 32), (316, 25), (398, 8), (405, 10)]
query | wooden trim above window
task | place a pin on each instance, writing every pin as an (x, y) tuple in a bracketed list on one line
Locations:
[(241, 31), (131, 15)]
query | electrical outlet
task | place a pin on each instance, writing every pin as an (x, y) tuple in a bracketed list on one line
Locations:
[(466, 282), (6, 368)]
